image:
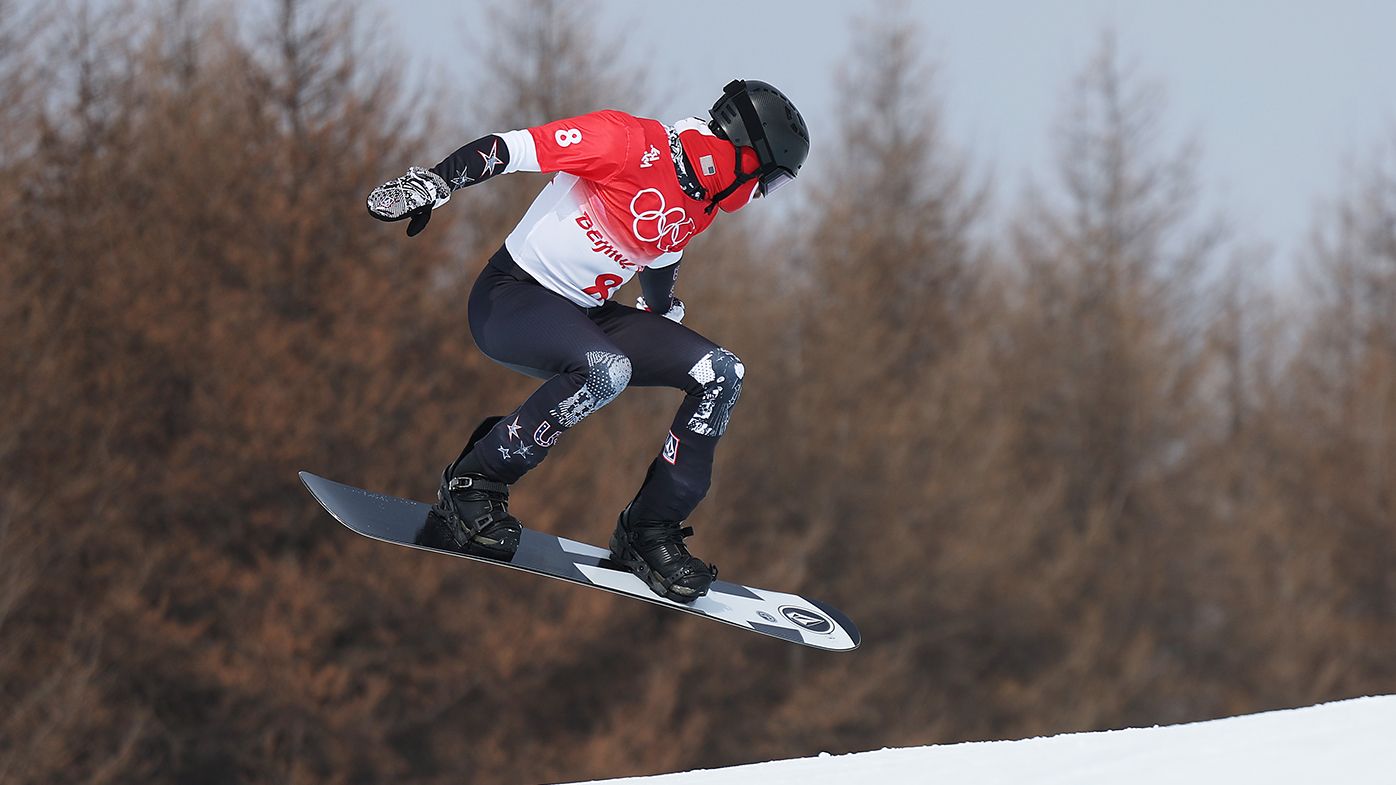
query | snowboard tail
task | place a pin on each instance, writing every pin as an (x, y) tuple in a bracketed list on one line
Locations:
[(789, 617)]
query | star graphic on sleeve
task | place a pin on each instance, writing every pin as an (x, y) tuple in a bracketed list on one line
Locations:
[(505, 452), (491, 160), (513, 428), (463, 180), (523, 451)]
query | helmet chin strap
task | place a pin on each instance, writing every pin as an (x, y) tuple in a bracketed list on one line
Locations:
[(742, 179)]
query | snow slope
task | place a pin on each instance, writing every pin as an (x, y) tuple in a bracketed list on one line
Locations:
[(1348, 742)]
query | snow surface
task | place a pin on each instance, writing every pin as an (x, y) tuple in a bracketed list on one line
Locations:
[(1347, 742)]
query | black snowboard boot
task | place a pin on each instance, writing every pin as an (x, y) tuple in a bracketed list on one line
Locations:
[(471, 514), (654, 551)]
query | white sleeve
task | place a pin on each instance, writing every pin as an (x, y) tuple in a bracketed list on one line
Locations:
[(523, 155)]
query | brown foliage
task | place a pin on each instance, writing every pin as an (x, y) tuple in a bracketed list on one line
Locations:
[(1058, 485)]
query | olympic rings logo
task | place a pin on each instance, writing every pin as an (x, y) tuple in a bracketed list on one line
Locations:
[(667, 227)]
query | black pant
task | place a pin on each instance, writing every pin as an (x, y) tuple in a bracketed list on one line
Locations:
[(588, 356)]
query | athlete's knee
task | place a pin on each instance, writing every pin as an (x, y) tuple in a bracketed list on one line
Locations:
[(603, 377), (607, 375), (609, 372), (719, 374)]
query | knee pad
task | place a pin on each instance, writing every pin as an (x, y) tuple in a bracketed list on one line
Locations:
[(720, 374), (607, 374)]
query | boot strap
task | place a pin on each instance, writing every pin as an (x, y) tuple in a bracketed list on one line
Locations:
[(477, 483)]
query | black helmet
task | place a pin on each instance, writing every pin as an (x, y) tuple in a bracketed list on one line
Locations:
[(754, 114)]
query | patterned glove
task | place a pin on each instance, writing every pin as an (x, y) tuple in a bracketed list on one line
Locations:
[(413, 195), (675, 312)]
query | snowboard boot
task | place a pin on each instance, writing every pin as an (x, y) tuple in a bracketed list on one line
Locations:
[(655, 552), (471, 514)]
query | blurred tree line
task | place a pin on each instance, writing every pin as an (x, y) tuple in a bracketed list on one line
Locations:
[(1071, 468)]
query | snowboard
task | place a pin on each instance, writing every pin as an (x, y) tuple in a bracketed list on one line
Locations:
[(789, 617)]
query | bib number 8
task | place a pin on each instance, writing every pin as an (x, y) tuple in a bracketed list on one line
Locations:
[(566, 137)]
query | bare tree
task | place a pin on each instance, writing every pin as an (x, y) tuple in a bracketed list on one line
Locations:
[(1335, 436), (1099, 370)]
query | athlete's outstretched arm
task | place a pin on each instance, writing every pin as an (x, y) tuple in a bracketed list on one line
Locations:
[(591, 146), (415, 194)]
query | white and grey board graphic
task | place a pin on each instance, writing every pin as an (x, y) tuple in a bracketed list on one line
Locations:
[(786, 616)]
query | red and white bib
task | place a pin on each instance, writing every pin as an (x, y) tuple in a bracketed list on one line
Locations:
[(614, 208)]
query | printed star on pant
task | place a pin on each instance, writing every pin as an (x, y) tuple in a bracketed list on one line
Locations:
[(523, 451), (505, 452), (513, 429)]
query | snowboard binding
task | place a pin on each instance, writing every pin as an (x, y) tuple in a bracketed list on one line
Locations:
[(471, 514), (655, 552)]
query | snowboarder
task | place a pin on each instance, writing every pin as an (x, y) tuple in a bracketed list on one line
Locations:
[(628, 196)]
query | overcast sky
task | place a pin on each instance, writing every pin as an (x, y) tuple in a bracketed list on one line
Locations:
[(1280, 94)]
